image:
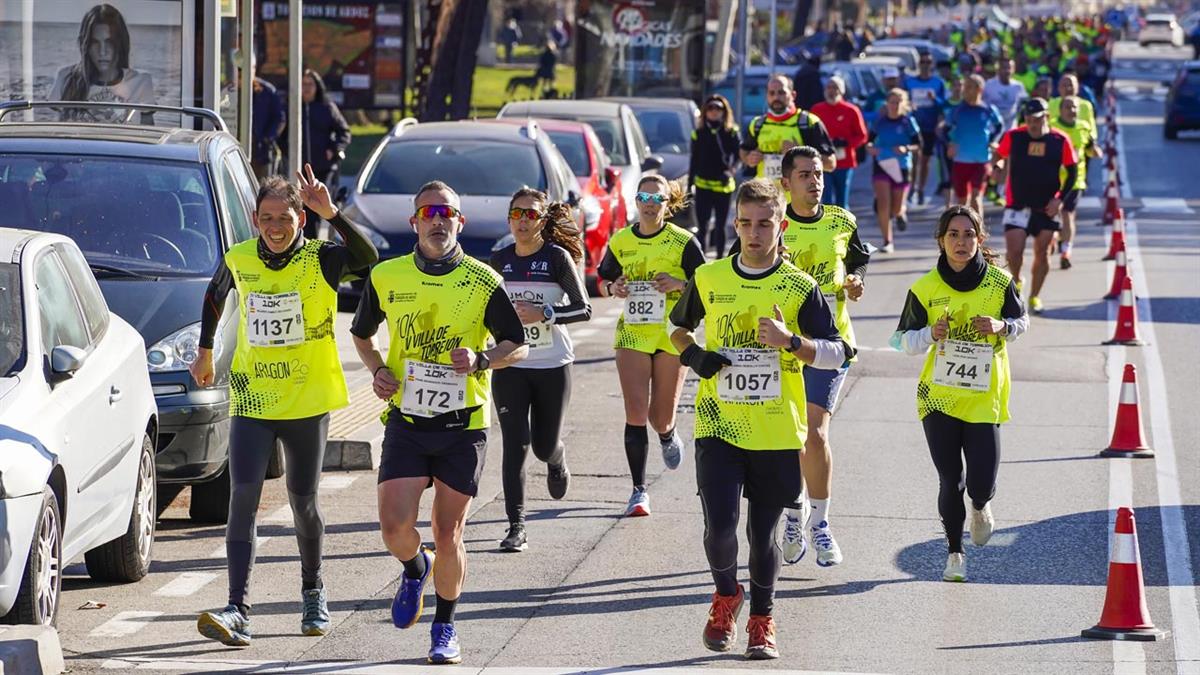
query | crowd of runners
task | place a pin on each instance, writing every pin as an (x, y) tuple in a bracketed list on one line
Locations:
[(465, 335)]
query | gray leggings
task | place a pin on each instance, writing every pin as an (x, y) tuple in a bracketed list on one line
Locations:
[(251, 443)]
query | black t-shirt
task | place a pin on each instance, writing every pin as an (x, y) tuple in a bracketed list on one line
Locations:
[(1033, 166)]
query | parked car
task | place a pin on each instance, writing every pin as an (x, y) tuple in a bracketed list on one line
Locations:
[(668, 125), (940, 52), (1161, 29), (602, 211), (617, 128), (77, 429), (483, 161), (909, 56), (153, 209), (861, 78), (1182, 109)]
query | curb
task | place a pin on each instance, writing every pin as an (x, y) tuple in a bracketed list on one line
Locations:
[(30, 649), (343, 454)]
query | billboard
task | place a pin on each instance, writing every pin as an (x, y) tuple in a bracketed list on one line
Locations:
[(357, 47), (640, 48), (135, 51)]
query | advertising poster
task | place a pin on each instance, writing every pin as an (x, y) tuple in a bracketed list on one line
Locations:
[(640, 47), (80, 50)]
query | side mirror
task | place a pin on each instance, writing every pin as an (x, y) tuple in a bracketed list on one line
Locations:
[(612, 178), (339, 197), (652, 163), (65, 360), (572, 198)]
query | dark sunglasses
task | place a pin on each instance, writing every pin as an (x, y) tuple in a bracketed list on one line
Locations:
[(714, 105), (647, 197), (516, 213), (431, 211)]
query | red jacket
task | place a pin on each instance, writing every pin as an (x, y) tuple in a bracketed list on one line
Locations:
[(847, 130)]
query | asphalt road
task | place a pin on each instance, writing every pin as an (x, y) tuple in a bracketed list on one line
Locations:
[(596, 592)]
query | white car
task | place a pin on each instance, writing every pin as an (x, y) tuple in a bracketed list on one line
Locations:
[(77, 429), (1161, 29)]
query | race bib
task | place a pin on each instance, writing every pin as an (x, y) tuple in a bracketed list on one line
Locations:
[(923, 98), (645, 304), (274, 320), (538, 336), (772, 166), (432, 389), (1016, 218), (754, 376), (964, 365), (839, 153)]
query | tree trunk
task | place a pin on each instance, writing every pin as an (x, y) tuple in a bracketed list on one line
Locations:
[(471, 17), (800, 20), (448, 95)]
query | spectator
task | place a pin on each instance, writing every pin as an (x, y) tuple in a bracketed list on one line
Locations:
[(844, 122), (714, 155), (547, 62), (509, 36), (560, 35), (267, 123), (323, 140), (842, 45), (809, 90)]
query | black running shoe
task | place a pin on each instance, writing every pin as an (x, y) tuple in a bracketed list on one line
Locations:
[(901, 223), (558, 479), (515, 541)]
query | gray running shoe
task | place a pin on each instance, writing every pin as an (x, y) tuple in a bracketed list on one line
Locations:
[(315, 620), (228, 626)]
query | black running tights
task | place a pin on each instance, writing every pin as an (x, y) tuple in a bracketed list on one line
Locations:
[(950, 439), (708, 203), (251, 444), (722, 502), (532, 404)]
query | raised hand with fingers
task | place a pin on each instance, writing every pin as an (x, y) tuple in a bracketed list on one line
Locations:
[(315, 194)]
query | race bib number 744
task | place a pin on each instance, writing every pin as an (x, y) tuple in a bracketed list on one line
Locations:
[(963, 365)]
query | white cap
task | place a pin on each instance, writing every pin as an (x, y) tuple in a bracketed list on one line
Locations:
[(891, 71), (837, 81)]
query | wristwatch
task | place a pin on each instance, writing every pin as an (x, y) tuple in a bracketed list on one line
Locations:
[(548, 313), (796, 344), (482, 362)]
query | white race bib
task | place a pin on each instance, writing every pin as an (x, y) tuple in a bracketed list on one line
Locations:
[(964, 365), (923, 98), (274, 320), (432, 389), (772, 166), (754, 376), (839, 153), (645, 304), (1016, 218), (538, 335)]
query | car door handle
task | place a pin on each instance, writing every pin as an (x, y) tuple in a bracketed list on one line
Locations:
[(114, 395)]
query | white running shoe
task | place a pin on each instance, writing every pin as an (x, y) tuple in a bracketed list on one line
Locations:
[(956, 568), (828, 552), (672, 451), (794, 543), (639, 504), (982, 524), (888, 248)]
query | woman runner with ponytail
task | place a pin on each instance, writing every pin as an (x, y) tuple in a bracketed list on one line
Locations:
[(540, 271), (647, 266)]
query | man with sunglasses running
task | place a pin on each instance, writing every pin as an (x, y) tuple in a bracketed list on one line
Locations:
[(441, 307), (782, 128)]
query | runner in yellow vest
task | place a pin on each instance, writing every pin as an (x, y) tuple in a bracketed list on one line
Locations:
[(284, 380), (646, 266), (1068, 85), (440, 307), (765, 319), (1084, 140), (782, 128), (961, 316)]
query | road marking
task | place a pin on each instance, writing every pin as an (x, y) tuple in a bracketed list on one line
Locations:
[(1129, 658), (1166, 205), (219, 552), (1090, 202), (367, 668), (124, 623), (336, 482), (185, 584), (282, 514)]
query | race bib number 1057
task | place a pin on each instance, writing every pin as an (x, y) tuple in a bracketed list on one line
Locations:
[(753, 376)]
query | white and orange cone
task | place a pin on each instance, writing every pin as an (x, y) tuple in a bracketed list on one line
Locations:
[(1117, 241), (1125, 615), (1128, 438), (1120, 272), (1126, 330)]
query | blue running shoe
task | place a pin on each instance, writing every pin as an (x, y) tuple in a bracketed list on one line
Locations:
[(410, 597), (315, 619), (229, 627), (444, 644)]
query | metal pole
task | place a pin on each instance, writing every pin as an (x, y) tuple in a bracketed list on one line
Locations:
[(27, 54), (246, 83), (295, 75), (211, 62), (774, 16), (743, 62)]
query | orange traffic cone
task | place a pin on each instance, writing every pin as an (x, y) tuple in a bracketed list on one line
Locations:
[(1128, 437), (1117, 241), (1126, 331), (1112, 201), (1125, 615), (1120, 272)]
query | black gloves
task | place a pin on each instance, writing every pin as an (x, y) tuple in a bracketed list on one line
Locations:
[(705, 363)]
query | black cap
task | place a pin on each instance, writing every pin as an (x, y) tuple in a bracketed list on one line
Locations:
[(1035, 107)]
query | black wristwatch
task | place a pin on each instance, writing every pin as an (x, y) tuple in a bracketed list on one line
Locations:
[(482, 362), (797, 343)]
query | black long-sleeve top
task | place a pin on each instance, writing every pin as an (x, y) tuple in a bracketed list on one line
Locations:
[(714, 153)]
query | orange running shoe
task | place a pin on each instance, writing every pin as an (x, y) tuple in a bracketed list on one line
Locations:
[(721, 630), (761, 630)]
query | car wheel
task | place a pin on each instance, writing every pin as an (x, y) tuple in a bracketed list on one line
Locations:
[(210, 500), (1170, 133), (38, 594), (276, 465), (127, 558)]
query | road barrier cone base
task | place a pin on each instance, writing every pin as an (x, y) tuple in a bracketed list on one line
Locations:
[(1139, 453), (1099, 632), (1135, 342)]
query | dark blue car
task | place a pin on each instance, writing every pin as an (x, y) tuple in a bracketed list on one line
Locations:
[(1182, 111)]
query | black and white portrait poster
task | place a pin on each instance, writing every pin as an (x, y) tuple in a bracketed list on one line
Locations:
[(124, 51)]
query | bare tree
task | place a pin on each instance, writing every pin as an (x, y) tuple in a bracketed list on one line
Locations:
[(452, 57)]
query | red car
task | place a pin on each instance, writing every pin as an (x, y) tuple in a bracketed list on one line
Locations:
[(601, 207)]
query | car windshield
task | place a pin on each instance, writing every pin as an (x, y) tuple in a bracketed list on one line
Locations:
[(1190, 86), (665, 130), (609, 133), (12, 325), (574, 149), (130, 217), (471, 167)]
